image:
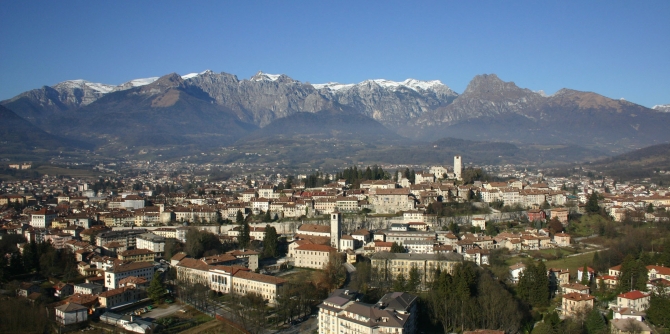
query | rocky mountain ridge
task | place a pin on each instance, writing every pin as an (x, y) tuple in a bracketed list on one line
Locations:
[(221, 105)]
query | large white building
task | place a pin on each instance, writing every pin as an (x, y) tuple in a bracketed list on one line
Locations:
[(42, 218), (312, 256), (395, 312), (152, 242), (121, 271)]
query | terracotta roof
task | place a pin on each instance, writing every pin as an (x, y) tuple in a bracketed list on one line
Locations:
[(193, 264), (314, 228), (259, 277), (578, 296), (71, 307), (178, 257), (635, 294), (660, 269), (131, 266), (82, 299), (133, 279), (139, 251)]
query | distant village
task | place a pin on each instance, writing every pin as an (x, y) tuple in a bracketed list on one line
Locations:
[(122, 230)]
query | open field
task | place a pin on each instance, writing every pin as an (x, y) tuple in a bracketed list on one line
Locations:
[(572, 263), (213, 326)]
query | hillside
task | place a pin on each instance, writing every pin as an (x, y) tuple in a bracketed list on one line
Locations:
[(645, 162), (19, 137)]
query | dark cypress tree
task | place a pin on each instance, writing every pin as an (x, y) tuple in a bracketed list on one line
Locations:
[(595, 324), (270, 242), (592, 203), (244, 237)]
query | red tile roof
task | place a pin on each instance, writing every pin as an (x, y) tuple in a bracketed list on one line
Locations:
[(635, 294)]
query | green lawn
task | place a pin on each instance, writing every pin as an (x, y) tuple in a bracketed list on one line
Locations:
[(572, 263)]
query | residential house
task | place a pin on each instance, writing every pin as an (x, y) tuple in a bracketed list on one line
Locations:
[(312, 256), (636, 300), (574, 303), (70, 314)]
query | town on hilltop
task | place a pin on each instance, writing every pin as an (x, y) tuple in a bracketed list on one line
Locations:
[(147, 246)]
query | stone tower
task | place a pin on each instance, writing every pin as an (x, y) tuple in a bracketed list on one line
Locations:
[(335, 229), (458, 167)]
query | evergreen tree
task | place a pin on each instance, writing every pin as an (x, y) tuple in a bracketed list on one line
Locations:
[(156, 289), (244, 237), (270, 242), (592, 203), (397, 248), (267, 217), (239, 219), (659, 310), (633, 275), (414, 281), (650, 208), (595, 324), (533, 285)]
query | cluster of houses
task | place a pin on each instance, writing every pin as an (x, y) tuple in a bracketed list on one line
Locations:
[(628, 308)]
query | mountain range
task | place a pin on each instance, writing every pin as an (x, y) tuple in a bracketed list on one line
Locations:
[(208, 110)]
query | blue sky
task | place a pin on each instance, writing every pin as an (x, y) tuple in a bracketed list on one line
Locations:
[(618, 49)]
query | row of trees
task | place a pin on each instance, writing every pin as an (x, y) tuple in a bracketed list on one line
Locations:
[(41, 258), (472, 298), (353, 175)]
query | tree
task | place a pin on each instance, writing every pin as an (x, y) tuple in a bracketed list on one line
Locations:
[(239, 219), (592, 203), (414, 282), (267, 217), (633, 275), (650, 208), (399, 284), (172, 247), (454, 228), (585, 276), (543, 328), (659, 310), (156, 289), (333, 273), (199, 243), (555, 226), (244, 237), (397, 248), (533, 285), (595, 324), (270, 242)]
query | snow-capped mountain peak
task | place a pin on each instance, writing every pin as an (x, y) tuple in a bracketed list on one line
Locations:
[(333, 86), (413, 84), (193, 75), (260, 76), (135, 83), (82, 84), (662, 107)]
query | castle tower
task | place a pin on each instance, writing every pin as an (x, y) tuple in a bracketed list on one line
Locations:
[(458, 167), (335, 229)]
